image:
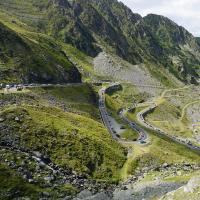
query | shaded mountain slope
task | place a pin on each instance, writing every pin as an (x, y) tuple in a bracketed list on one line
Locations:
[(26, 59), (180, 50)]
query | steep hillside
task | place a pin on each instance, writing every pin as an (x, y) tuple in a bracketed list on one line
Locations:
[(59, 125), (180, 51), (33, 58), (70, 112), (56, 18), (198, 40), (152, 40)]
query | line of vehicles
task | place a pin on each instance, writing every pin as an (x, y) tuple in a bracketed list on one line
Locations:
[(142, 133), (161, 132), (105, 118), (104, 115), (33, 85), (15, 85), (18, 87)]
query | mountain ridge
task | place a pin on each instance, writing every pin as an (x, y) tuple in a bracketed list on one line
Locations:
[(94, 26)]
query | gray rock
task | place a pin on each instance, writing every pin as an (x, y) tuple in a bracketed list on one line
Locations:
[(49, 178), (99, 196), (165, 165), (24, 176), (23, 163), (192, 185), (37, 154), (17, 119), (46, 194), (41, 164), (2, 119), (107, 65), (67, 198), (84, 194), (20, 169), (30, 180), (145, 192), (37, 168)]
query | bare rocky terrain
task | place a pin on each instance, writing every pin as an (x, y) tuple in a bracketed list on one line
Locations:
[(138, 75), (189, 191)]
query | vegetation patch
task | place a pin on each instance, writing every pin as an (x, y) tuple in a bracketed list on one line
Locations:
[(130, 135), (13, 186), (72, 141)]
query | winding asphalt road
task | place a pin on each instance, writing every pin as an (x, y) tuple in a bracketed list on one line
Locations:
[(143, 137), (104, 113), (141, 118)]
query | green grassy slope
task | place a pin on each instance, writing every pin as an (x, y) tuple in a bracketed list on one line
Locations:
[(13, 186), (55, 18), (29, 58), (64, 124), (74, 139), (50, 61), (171, 113), (79, 99), (160, 150)]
